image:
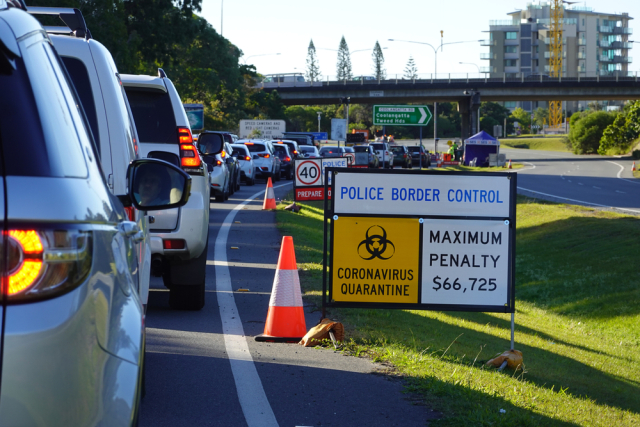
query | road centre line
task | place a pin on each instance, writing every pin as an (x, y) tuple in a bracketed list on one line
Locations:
[(579, 201), (243, 264), (620, 172), (251, 395)]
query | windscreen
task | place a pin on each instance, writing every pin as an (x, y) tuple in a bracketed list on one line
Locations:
[(330, 150), (256, 148), (280, 151), (377, 146), (414, 149), (153, 113), (361, 149)]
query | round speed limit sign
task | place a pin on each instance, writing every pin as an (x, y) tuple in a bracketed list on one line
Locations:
[(308, 172)]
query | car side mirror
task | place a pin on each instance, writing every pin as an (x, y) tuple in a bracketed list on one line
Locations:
[(157, 185), (210, 143)]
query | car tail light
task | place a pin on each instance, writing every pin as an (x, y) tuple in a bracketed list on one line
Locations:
[(223, 154), (131, 213), (265, 155), (247, 158), (295, 152), (43, 264), (248, 143), (173, 244), (189, 157), (184, 136), (218, 162), (287, 159)]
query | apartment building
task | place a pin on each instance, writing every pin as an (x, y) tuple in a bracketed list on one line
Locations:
[(594, 43)]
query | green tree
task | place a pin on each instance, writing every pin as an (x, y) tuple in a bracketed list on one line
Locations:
[(587, 129), (522, 117), (343, 67), (619, 135), (313, 69), (410, 71), (541, 116), (492, 113), (379, 71)]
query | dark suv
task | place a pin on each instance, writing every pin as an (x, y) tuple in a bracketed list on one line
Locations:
[(418, 151), (286, 165), (401, 156)]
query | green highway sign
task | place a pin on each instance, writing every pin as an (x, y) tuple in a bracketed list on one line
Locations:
[(401, 115)]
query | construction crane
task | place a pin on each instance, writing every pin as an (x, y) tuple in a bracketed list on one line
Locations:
[(555, 59)]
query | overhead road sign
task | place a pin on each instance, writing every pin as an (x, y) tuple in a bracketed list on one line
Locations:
[(420, 240), (401, 115), (339, 129)]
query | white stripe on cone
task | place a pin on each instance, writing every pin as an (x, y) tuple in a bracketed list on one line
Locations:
[(270, 193), (286, 289)]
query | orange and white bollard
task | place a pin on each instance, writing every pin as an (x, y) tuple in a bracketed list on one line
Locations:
[(269, 197)]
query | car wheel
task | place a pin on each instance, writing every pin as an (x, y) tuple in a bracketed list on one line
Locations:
[(220, 198), (186, 282)]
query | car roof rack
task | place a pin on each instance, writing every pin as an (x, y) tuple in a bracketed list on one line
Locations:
[(18, 4), (72, 17)]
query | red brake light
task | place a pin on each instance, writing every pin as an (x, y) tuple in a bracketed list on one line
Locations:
[(265, 155), (184, 136), (287, 159), (247, 158), (189, 157), (223, 154), (295, 152), (218, 163), (173, 244), (248, 143)]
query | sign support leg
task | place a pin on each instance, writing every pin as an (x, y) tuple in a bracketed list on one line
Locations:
[(513, 326), (420, 147)]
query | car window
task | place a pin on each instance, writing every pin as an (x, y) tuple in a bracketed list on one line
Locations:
[(361, 149), (331, 150), (80, 77), (397, 149), (256, 148), (58, 148), (377, 146), (153, 113)]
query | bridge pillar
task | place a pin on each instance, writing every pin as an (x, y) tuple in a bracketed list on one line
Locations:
[(465, 112)]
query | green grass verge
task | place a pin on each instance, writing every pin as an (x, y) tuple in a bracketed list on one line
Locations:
[(577, 324), (546, 144)]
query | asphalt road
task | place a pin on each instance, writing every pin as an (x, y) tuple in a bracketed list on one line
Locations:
[(205, 369), (597, 181)]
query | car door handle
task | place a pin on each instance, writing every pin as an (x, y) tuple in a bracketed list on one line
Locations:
[(130, 229)]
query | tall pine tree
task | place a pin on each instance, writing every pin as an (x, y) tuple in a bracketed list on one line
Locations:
[(313, 69), (410, 71), (378, 63), (343, 68)]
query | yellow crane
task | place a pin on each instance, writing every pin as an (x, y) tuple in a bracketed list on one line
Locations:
[(555, 59)]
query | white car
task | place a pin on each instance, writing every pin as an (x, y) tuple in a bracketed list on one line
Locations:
[(309, 151), (219, 178), (266, 164), (179, 237), (384, 154), (247, 168)]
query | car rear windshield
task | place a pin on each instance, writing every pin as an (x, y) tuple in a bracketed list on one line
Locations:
[(330, 150), (153, 113), (361, 149), (378, 146), (397, 149), (280, 151), (307, 149), (239, 151), (256, 148), (414, 149)]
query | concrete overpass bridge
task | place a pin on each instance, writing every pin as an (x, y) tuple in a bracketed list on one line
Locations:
[(467, 92)]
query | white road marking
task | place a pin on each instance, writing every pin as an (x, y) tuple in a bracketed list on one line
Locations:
[(621, 192), (253, 400), (620, 172), (579, 201), (580, 183), (597, 188), (569, 180)]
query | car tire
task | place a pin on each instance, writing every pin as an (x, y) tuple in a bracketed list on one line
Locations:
[(290, 175), (251, 181), (186, 282), (220, 198)]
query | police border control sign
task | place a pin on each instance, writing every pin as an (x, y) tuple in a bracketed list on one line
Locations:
[(423, 240)]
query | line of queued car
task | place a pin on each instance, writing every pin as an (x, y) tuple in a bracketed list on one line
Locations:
[(113, 190), (382, 154)]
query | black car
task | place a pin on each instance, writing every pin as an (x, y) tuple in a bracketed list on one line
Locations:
[(402, 156), (416, 152), (332, 151), (286, 166)]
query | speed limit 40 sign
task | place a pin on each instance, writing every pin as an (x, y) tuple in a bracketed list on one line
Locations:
[(308, 184)]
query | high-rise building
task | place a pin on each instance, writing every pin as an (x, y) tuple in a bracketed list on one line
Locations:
[(594, 43)]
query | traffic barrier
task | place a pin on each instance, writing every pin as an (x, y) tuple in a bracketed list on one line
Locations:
[(285, 318), (269, 197), (509, 167), (633, 168)]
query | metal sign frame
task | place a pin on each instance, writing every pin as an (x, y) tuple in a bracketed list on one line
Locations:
[(315, 187), (329, 238)]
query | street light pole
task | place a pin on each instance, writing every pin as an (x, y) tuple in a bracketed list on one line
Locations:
[(319, 114)]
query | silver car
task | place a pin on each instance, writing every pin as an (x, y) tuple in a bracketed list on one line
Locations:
[(247, 169), (219, 177), (72, 327)]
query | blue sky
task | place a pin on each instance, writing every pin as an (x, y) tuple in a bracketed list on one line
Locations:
[(261, 27)]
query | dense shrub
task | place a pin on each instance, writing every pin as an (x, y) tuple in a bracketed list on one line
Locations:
[(587, 129)]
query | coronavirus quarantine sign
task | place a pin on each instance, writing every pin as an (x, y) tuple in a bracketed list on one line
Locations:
[(420, 240)]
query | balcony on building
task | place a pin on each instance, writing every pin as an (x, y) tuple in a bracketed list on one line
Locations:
[(489, 55), (582, 55), (615, 30), (486, 69), (582, 42)]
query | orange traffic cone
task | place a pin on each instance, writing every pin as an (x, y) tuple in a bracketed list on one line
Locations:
[(509, 167), (285, 319), (633, 168), (269, 197)]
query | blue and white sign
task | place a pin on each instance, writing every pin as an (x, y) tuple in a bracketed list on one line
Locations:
[(320, 136), (336, 162), (421, 194)]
